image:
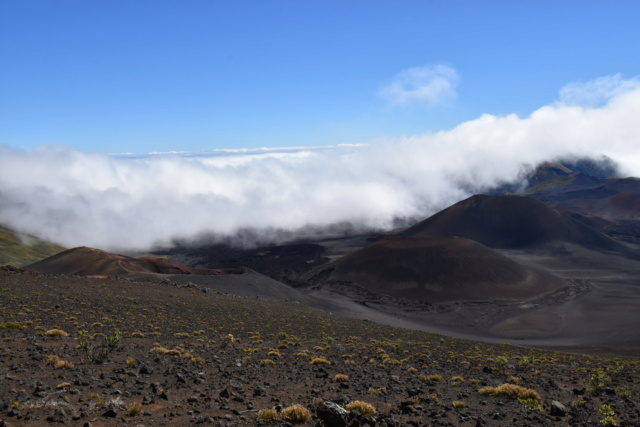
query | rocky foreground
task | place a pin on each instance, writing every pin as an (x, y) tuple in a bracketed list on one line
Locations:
[(83, 351)]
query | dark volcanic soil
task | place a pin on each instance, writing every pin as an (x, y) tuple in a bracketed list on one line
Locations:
[(190, 355), (96, 263), (278, 262)]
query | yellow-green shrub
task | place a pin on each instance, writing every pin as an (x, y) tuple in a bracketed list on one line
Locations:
[(296, 414)]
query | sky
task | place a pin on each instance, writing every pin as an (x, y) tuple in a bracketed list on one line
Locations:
[(154, 75), (127, 124)]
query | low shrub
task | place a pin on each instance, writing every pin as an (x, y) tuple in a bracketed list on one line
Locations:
[(58, 363), (340, 378), (56, 333), (98, 354), (296, 414), (134, 409), (12, 325), (268, 415), (363, 407), (511, 390)]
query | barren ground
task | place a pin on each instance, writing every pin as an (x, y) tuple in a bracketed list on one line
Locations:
[(192, 355)]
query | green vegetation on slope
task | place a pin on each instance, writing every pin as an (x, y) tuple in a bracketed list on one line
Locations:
[(19, 249), (553, 182)]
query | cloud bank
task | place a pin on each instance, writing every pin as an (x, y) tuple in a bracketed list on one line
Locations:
[(432, 85), (119, 203), (597, 92)]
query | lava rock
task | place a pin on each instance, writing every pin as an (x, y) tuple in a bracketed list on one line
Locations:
[(58, 416), (558, 409), (146, 370), (110, 413), (332, 414)]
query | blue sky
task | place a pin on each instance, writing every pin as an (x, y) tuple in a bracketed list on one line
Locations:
[(142, 76)]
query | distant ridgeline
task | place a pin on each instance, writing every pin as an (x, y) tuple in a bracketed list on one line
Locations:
[(590, 191), (561, 173)]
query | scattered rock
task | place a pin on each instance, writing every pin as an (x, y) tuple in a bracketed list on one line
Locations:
[(259, 391), (59, 416), (146, 370), (110, 413), (557, 409), (332, 414)]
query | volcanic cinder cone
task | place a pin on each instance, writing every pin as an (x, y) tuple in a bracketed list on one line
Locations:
[(83, 261), (511, 222), (436, 269)]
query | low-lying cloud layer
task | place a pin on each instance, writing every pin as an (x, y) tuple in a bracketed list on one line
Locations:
[(79, 198)]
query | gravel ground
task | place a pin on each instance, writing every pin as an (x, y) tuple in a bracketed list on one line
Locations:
[(161, 354)]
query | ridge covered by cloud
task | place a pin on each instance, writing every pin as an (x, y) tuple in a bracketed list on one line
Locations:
[(128, 202), (430, 84)]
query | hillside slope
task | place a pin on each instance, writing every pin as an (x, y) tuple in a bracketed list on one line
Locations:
[(19, 249), (238, 281), (436, 269), (511, 222)]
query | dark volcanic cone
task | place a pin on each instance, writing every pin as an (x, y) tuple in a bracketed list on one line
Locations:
[(240, 281), (511, 222), (436, 269), (85, 261)]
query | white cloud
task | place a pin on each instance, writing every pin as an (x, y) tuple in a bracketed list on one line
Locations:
[(597, 92), (431, 84), (77, 198)]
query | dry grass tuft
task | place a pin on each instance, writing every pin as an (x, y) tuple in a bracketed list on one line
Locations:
[(58, 363), (178, 351), (12, 325), (296, 414), (268, 415), (319, 361), (363, 407), (197, 360), (182, 335), (341, 378), (512, 391), (52, 359), (56, 333), (134, 409)]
